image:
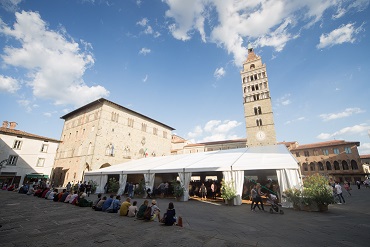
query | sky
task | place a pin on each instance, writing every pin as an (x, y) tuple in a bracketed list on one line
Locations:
[(179, 62)]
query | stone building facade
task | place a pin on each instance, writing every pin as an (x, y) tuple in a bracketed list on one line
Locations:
[(337, 159), (24, 156), (103, 133), (258, 112), (365, 161)]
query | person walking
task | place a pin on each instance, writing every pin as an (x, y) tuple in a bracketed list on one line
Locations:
[(338, 190), (358, 183), (253, 197), (347, 187)]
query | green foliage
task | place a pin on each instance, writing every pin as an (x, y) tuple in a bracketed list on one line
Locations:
[(94, 185), (316, 189), (139, 190), (178, 189), (228, 191), (113, 185)]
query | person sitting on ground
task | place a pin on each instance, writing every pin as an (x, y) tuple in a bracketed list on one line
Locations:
[(47, 194), (64, 195), (96, 201), (99, 205), (31, 190), (58, 196), (82, 202), (44, 193), (132, 210), (52, 194), (143, 207), (38, 191), (123, 211), (115, 205), (107, 203), (155, 211), (169, 217), (73, 198), (68, 198)]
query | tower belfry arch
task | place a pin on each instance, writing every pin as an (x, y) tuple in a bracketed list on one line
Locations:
[(258, 112)]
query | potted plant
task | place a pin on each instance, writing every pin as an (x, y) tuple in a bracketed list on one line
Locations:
[(228, 192), (94, 186), (178, 190), (315, 195)]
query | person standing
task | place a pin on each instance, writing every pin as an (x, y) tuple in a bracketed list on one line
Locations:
[(213, 190), (69, 186), (88, 189), (358, 183), (203, 192), (338, 190), (258, 197)]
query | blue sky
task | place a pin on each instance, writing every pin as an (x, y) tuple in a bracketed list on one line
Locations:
[(179, 62)]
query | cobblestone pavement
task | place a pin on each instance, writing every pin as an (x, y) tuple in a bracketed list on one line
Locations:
[(31, 221)]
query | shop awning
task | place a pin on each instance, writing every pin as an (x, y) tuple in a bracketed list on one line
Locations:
[(36, 176)]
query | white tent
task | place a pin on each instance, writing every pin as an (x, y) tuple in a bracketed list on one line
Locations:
[(232, 163)]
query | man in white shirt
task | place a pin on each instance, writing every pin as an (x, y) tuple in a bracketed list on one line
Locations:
[(338, 189)]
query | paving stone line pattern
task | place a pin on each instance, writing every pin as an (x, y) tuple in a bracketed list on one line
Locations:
[(32, 221)]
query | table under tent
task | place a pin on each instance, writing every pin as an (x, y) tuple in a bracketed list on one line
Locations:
[(233, 163)]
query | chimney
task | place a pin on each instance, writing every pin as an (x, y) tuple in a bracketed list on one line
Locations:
[(5, 124), (12, 125)]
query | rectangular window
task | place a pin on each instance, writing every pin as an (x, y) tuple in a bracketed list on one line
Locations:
[(143, 127), (336, 150), (325, 152), (44, 148), (348, 150), (40, 162), (155, 131), (315, 152), (306, 153), (17, 144), (130, 122), (297, 154), (12, 160)]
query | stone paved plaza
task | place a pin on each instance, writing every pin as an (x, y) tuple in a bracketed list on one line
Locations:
[(31, 221)]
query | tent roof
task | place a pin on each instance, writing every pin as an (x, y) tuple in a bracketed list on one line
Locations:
[(253, 158)]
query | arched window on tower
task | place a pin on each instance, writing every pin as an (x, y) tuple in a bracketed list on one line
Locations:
[(255, 111), (245, 89), (255, 77), (260, 122), (252, 66), (259, 110)]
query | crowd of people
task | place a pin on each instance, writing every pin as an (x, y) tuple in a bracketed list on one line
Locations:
[(112, 204)]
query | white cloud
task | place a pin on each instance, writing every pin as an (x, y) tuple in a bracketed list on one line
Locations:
[(219, 72), (144, 51), (230, 23), (284, 100), (346, 113), (343, 34), (364, 148), (148, 29), (26, 104), (295, 120), (10, 5), (196, 132), (360, 129), (54, 61), (214, 130), (8, 84)]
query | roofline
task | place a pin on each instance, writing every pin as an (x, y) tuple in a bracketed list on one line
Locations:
[(26, 134), (102, 100), (325, 144), (217, 142)]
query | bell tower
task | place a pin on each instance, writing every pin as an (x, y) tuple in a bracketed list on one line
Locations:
[(258, 113)]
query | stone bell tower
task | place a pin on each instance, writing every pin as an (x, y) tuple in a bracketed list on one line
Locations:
[(258, 113)]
